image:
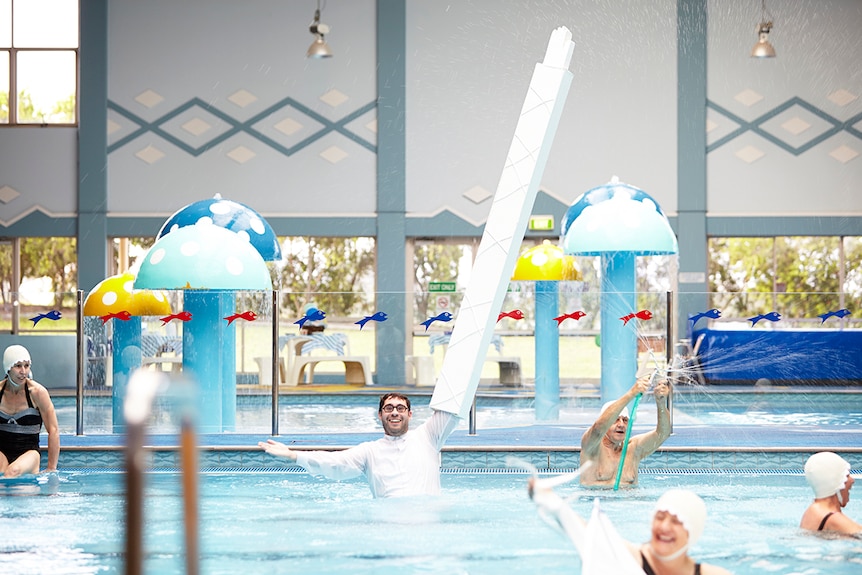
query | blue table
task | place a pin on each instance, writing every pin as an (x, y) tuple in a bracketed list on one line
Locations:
[(817, 356)]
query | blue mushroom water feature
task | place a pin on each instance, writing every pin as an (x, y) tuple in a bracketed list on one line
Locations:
[(617, 222), (547, 265), (211, 249)]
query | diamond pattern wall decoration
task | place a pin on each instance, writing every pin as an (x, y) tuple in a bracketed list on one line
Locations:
[(333, 154), (8, 193), (794, 126), (150, 155), (241, 154), (477, 194), (265, 126), (841, 97), (149, 99), (242, 98), (196, 127), (844, 153), (748, 97), (749, 154), (334, 98)]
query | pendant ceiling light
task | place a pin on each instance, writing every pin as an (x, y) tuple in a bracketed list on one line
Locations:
[(319, 48), (763, 48)]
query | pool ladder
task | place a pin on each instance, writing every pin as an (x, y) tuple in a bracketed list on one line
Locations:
[(144, 386)]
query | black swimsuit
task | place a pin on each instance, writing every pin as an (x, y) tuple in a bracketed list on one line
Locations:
[(825, 518), (19, 432), (648, 568)]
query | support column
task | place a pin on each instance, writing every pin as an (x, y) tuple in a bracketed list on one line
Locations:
[(619, 341), (547, 352)]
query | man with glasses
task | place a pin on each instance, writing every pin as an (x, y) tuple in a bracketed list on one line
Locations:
[(402, 463)]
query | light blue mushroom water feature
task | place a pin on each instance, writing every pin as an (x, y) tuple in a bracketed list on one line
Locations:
[(617, 222), (211, 249), (546, 265)]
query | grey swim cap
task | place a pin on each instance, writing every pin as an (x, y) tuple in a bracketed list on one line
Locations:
[(688, 507), (826, 473)]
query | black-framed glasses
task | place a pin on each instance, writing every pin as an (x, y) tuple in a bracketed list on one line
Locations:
[(389, 408)]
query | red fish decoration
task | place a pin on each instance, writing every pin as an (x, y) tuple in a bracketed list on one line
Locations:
[(123, 315), (642, 314), (514, 314), (246, 315), (182, 316), (575, 315)]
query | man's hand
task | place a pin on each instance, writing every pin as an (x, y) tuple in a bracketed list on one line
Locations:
[(641, 386), (661, 389), (278, 449)]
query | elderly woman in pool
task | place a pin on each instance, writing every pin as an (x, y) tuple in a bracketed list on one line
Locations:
[(828, 474), (677, 524)]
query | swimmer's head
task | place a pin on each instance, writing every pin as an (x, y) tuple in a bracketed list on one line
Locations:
[(14, 354), (623, 413), (688, 507), (826, 473)]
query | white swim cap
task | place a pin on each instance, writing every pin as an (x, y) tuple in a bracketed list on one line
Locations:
[(624, 412), (688, 507), (826, 473), (14, 354)]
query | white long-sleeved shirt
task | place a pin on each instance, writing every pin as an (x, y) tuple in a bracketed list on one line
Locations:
[(394, 466)]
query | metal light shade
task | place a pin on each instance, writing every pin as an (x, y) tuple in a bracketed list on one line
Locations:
[(763, 49), (319, 49)]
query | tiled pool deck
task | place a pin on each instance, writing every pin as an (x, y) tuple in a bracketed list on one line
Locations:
[(548, 446)]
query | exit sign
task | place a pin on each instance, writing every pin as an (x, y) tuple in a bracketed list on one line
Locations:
[(441, 286), (542, 223)]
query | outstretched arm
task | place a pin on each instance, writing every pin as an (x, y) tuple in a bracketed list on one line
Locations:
[(646, 443), (278, 449), (592, 438), (572, 524)]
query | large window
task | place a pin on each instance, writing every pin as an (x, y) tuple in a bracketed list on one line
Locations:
[(38, 62), (803, 277)]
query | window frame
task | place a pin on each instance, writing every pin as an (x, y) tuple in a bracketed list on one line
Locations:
[(13, 52)]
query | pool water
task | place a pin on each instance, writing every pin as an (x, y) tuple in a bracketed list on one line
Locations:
[(358, 413), (273, 522)]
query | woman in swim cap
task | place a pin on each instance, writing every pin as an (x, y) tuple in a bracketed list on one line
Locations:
[(677, 524), (828, 474), (25, 406)]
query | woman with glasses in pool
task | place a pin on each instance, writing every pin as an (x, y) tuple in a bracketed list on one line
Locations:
[(828, 474), (402, 463)]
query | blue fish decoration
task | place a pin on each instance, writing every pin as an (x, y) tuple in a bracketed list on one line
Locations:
[(840, 313), (771, 316), (378, 316), (445, 316), (52, 315), (313, 314), (712, 314)]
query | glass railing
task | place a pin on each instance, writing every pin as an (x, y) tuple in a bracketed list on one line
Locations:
[(256, 339)]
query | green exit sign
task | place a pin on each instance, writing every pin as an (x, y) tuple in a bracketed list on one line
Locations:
[(441, 286), (542, 223)]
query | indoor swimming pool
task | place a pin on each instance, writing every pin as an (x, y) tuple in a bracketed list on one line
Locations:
[(273, 522), (358, 413)]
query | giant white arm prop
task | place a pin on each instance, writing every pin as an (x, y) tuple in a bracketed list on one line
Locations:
[(505, 228)]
